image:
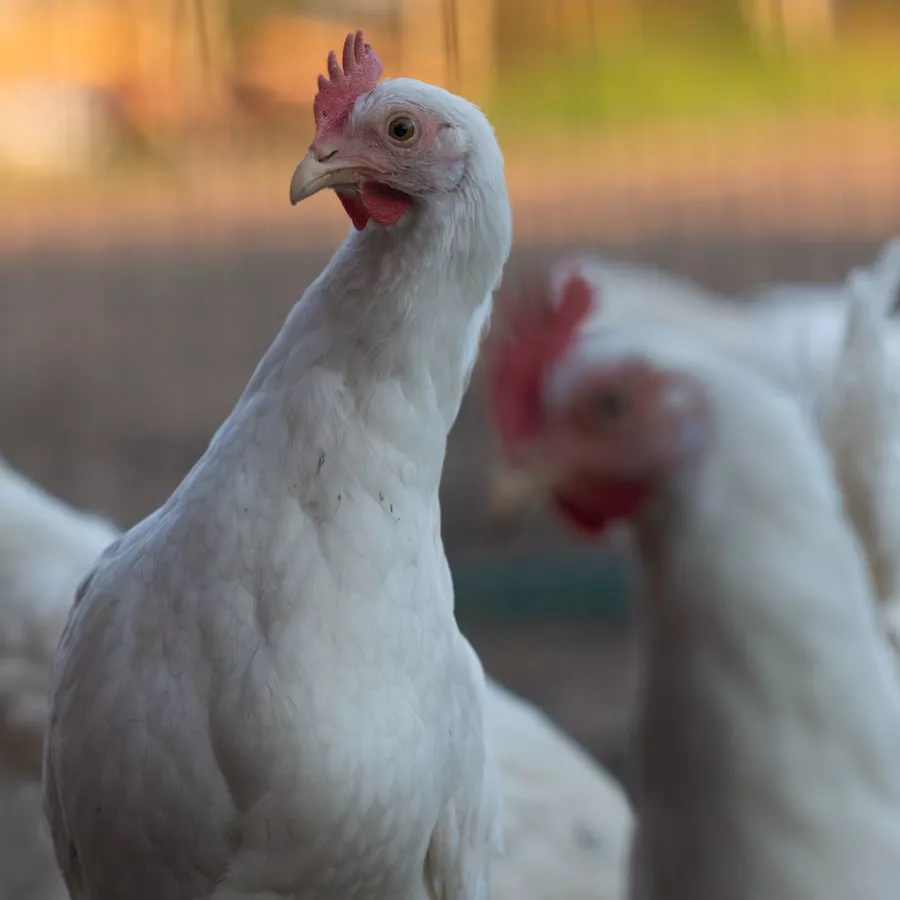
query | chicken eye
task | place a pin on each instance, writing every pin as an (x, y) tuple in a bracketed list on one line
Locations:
[(610, 405), (603, 409), (402, 128)]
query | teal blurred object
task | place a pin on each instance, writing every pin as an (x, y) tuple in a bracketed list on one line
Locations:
[(572, 585)]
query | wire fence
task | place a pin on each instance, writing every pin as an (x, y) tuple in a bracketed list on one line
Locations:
[(148, 253)]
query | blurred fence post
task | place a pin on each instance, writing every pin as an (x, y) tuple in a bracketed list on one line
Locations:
[(450, 43), (422, 40), (791, 22), (183, 52), (477, 46)]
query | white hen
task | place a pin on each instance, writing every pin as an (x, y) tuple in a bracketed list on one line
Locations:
[(792, 331), (797, 330), (262, 691), (46, 548), (566, 823), (770, 722), (858, 415)]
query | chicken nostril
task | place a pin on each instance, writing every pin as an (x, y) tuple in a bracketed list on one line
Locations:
[(324, 157)]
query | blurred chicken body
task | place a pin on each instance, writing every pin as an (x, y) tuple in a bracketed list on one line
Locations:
[(261, 691), (858, 415), (791, 332), (770, 716), (798, 330), (567, 824), (46, 548)]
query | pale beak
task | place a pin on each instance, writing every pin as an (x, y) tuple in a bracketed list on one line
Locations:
[(517, 494), (314, 175)]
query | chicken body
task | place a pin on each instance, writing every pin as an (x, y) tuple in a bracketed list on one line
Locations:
[(770, 712), (566, 822), (797, 330), (791, 332), (46, 548), (770, 719), (262, 691)]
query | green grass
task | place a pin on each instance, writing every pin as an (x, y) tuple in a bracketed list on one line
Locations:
[(643, 83)]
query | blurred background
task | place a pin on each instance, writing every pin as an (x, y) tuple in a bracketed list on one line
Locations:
[(148, 251)]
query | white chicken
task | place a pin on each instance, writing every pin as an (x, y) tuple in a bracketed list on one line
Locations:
[(858, 415), (797, 329), (792, 331), (566, 823), (46, 548), (770, 719), (261, 691)]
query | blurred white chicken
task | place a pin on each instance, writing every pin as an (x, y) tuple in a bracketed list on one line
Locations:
[(792, 331), (566, 822), (797, 330), (857, 411), (770, 722), (46, 548)]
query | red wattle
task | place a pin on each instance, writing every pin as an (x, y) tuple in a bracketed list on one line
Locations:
[(354, 208), (377, 202), (383, 204), (592, 509)]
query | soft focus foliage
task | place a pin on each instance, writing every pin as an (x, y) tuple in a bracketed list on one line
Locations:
[(166, 70)]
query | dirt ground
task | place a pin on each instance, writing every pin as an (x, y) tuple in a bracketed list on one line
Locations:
[(116, 366)]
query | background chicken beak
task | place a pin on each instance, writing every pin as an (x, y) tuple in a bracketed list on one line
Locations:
[(517, 494), (313, 175)]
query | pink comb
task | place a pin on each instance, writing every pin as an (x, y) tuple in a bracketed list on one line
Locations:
[(343, 87), (539, 330)]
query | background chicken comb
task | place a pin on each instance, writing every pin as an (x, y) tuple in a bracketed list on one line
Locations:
[(535, 326), (340, 90)]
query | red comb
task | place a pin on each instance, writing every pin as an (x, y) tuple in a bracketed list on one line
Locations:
[(340, 90), (539, 328)]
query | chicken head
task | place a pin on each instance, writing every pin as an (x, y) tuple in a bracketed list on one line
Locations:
[(594, 429), (379, 146)]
